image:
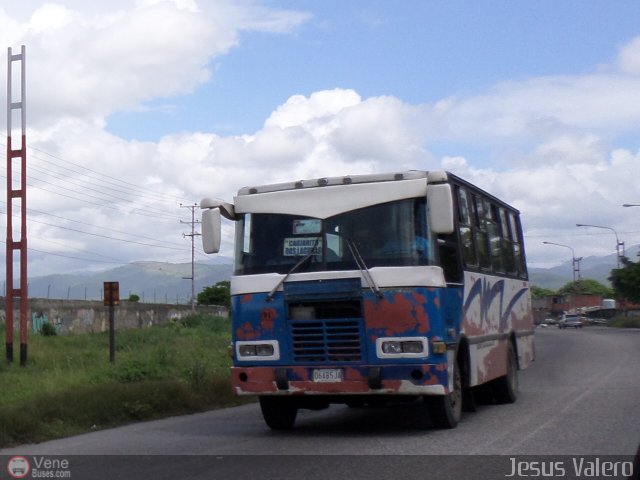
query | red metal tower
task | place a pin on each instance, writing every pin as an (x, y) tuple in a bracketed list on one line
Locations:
[(16, 197)]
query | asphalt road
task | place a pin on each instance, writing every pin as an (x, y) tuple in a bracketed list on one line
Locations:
[(581, 397)]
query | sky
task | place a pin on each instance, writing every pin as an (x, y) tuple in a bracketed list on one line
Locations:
[(137, 109)]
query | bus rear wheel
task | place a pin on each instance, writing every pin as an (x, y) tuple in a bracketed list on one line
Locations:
[(505, 389), (445, 411), (279, 413)]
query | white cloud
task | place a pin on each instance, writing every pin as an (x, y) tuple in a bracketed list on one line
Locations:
[(535, 108), (87, 63), (320, 106), (555, 138), (629, 57)]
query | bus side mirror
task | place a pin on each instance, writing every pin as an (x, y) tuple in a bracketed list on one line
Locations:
[(211, 227), (440, 205)]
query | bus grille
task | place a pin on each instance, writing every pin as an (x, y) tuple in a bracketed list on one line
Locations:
[(326, 340)]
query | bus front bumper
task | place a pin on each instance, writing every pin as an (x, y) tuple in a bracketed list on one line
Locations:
[(324, 380)]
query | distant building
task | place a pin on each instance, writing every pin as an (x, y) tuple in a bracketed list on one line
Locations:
[(554, 306), (574, 302), (592, 306)]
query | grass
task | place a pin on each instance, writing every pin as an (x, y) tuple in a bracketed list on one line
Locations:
[(68, 385), (624, 322)]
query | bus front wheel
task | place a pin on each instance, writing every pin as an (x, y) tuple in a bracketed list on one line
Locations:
[(445, 411), (279, 413)]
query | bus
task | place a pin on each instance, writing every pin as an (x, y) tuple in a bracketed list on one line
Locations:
[(371, 289)]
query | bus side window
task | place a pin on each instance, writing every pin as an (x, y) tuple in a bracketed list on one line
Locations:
[(507, 241), (464, 226), (480, 232), (495, 239), (517, 246)]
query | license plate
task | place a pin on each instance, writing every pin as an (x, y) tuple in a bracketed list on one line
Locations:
[(326, 375)]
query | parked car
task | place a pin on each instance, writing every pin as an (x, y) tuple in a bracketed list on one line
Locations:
[(570, 320)]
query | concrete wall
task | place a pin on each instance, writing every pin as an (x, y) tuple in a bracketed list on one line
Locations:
[(92, 316)]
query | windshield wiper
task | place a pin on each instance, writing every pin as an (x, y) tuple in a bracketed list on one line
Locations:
[(363, 267), (312, 252)]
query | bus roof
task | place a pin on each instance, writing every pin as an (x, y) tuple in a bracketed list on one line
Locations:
[(345, 180)]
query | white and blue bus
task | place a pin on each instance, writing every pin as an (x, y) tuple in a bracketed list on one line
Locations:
[(365, 289)]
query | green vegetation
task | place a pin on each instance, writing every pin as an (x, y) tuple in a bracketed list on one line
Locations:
[(48, 330), (134, 298), (219, 294), (626, 280), (539, 292), (624, 322), (583, 287), (587, 287), (69, 386)]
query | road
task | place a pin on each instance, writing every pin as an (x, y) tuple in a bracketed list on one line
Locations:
[(581, 397)]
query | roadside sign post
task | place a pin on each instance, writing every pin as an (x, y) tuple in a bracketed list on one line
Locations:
[(111, 299)]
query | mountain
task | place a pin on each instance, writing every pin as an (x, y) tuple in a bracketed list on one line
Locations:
[(158, 282), (153, 282), (596, 268)]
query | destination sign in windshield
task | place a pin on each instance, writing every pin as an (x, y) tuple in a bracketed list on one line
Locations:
[(299, 246)]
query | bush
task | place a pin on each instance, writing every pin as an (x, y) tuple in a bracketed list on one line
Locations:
[(48, 330), (198, 376), (211, 323), (133, 371), (194, 321), (99, 406), (624, 322), (69, 386), (218, 294)]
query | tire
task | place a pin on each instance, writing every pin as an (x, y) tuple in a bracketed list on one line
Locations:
[(445, 411), (279, 413), (355, 403), (468, 397), (483, 394), (505, 388)]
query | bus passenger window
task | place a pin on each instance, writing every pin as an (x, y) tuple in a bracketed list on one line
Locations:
[(495, 240), (507, 243), (469, 256), (480, 233), (517, 249)]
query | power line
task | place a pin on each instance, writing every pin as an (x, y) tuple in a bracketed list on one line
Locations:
[(136, 211), (105, 236), (96, 226), (118, 180), (70, 256), (66, 180), (126, 188), (108, 188)]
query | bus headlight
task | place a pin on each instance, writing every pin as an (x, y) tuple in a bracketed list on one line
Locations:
[(402, 347), (257, 350), (390, 348), (412, 347)]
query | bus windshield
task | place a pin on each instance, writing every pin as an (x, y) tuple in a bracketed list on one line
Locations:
[(388, 234)]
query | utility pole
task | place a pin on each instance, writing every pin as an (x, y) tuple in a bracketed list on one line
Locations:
[(16, 197), (620, 255), (193, 234)]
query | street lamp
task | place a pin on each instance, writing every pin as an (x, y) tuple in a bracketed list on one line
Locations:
[(575, 261), (619, 252), (630, 205)]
